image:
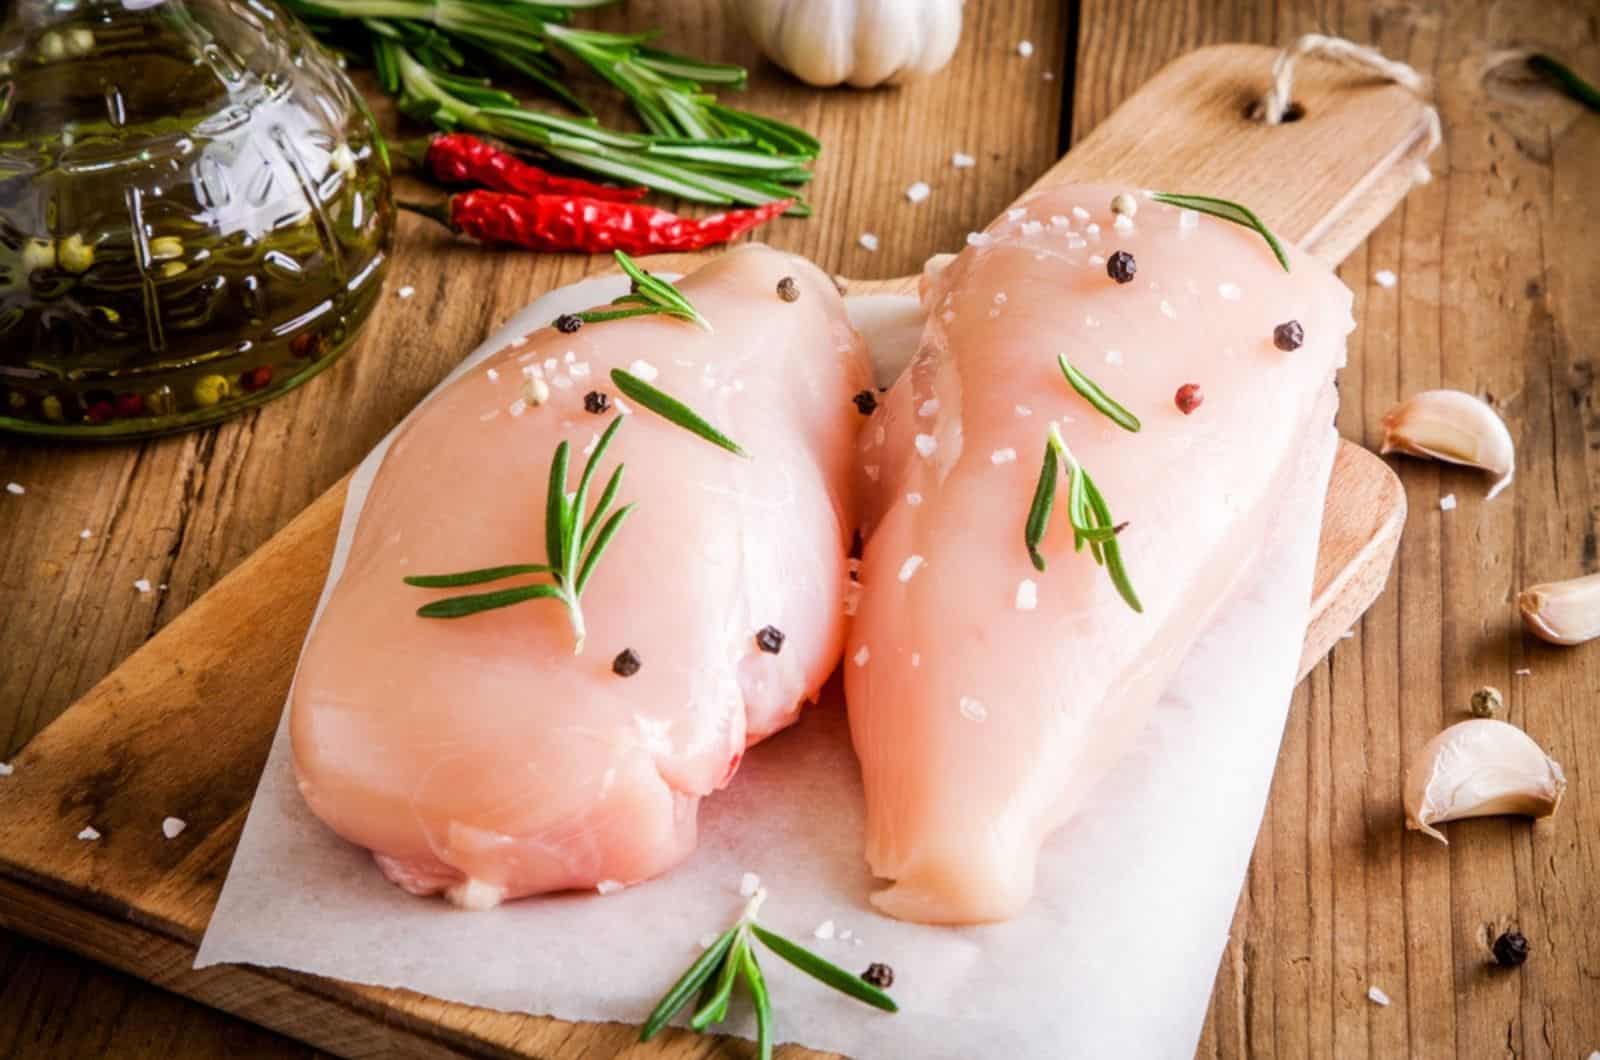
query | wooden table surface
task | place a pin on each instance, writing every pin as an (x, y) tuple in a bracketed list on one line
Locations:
[(1498, 287)]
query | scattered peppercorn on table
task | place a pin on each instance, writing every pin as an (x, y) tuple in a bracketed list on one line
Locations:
[(1353, 937)]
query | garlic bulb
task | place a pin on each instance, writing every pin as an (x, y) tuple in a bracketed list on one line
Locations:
[(1453, 426), (1480, 768), (1563, 612), (860, 42)]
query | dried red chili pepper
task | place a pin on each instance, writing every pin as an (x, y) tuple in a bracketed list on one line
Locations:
[(458, 158), (556, 222)]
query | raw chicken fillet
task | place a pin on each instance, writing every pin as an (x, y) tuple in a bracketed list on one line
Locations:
[(988, 698), (480, 756)]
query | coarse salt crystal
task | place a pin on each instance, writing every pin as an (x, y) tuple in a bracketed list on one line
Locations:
[(1027, 595), (594, 440), (550, 364), (1076, 243), (862, 655), (871, 471), (1059, 221), (1524, 672), (6, 769), (1016, 213), (1032, 228), (1348, 634), (143, 585), (1003, 456), (570, 357), (89, 834), (579, 370), (999, 298), (561, 382), (172, 827), (979, 239), (1122, 223), (973, 710), (1096, 260), (749, 884), (1386, 277), (913, 499), (1167, 310), (1113, 356), (517, 407), (1080, 213), (1188, 219), (492, 374), (962, 161), (1023, 410), (1447, 502), (844, 935), (916, 660), (622, 407), (487, 416), (823, 930), (928, 407), (918, 191), (15, 488), (1025, 48), (909, 567), (868, 241), (86, 533), (1377, 996), (926, 444), (608, 886), (407, 291), (1230, 292), (644, 370)]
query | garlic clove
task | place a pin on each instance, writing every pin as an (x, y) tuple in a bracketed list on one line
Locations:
[(1480, 768), (1452, 426), (1563, 612)]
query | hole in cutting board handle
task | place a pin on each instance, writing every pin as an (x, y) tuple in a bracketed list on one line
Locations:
[(1293, 112)]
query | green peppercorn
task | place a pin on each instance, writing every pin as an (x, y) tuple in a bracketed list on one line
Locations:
[(212, 390), (51, 407), (75, 254)]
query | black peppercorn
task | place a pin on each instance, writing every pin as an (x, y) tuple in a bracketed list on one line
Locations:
[(1288, 336), (1511, 949), (879, 975), (769, 639), (567, 323), (627, 663), (1121, 267), (866, 402), (596, 401), (788, 290)]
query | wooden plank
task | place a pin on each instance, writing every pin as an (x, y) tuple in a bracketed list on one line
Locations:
[(137, 900)]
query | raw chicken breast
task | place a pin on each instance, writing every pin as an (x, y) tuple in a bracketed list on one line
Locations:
[(987, 698), (480, 756)]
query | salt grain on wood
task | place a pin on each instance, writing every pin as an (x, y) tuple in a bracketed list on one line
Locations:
[(1025, 48), (89, 834), (6, 769), (407, 291), (172, 827), (143, 585), (868, 241), (1377, 996), (1386, 277), (918, 192), (15, 488), (1447, 502), (962, 161)]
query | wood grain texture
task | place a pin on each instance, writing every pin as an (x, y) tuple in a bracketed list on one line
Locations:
[(138, 903)]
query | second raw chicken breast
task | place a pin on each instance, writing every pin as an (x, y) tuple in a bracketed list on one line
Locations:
[(482, 758), (987, 697)]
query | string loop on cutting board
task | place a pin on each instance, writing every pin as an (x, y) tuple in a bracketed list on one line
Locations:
[(1274, 106)]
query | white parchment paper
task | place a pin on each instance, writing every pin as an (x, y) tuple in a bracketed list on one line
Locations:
[(1114, 957)]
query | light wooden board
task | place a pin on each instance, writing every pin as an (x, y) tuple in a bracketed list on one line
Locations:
[(214, 679)]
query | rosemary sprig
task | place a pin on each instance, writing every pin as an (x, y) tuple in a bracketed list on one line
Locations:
[(1091, 392), (649, 296), (1087, 512), (1228, 211), (671, 409), (574, 542), (732, 960), (1570, 82), (433, 55)]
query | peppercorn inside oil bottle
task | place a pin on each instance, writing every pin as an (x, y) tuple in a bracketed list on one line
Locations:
[(194, 212)]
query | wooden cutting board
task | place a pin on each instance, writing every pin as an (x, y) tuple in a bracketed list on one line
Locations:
[(184, 725)]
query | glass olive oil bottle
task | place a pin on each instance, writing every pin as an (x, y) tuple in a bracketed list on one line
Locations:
[(194, 212)]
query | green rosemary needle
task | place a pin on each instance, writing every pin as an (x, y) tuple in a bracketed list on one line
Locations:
[(1091, 392), (1087, 512), (574, 541), (649, 296), (1570, 82), (732, 960), (671, 409), (1228, 211)]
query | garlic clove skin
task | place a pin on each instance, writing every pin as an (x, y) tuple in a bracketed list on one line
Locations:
[(1480, 768), (1564, 613), (1455, 427)]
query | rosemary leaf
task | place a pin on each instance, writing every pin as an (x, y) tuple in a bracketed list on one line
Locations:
[(1091, 392), (679, 993), (474, 577), (1044, 498), (824, 971), (603, 539), (658, 292), (1114, 566), (715, 1009), (592, 525), (462, 606), (671, 409), (1570, 82), (761, 1000), (555, 508), (1228, 211)]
